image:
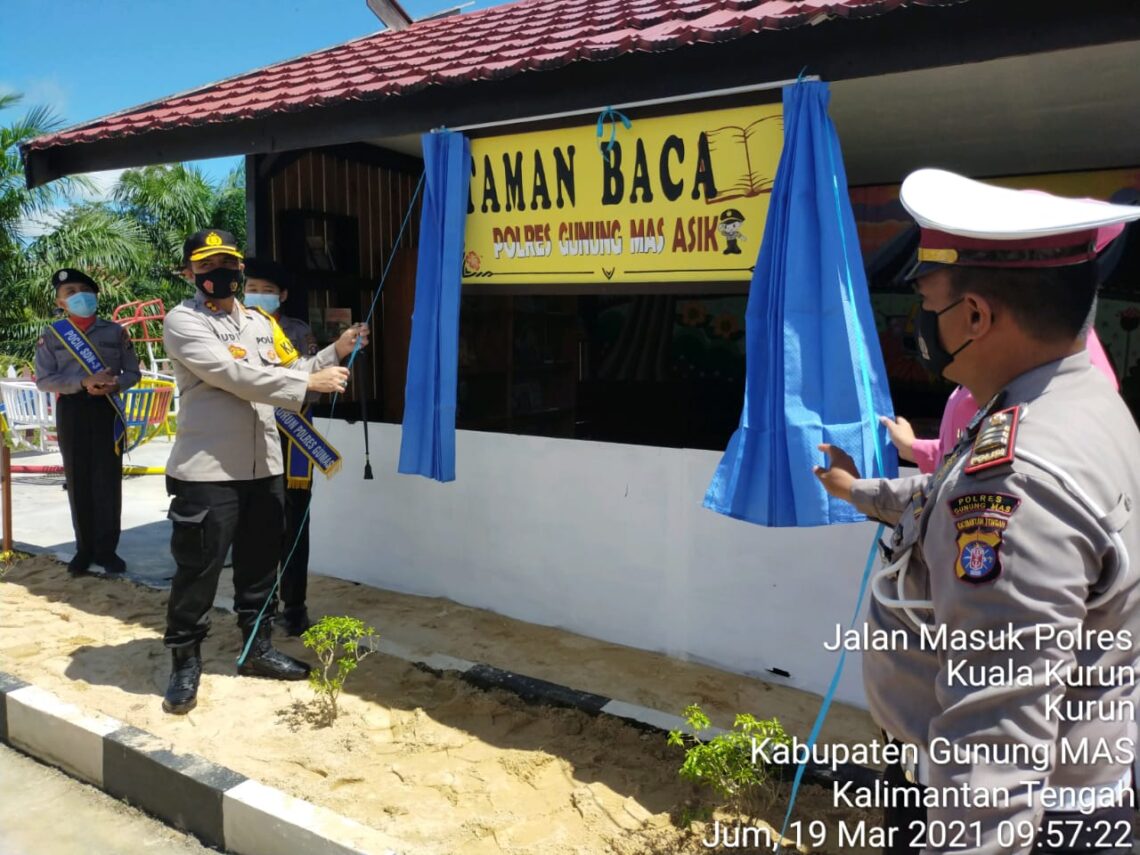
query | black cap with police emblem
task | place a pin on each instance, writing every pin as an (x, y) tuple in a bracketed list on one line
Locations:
[(731, 215), (69, 274), (209, 242), (271, 271)]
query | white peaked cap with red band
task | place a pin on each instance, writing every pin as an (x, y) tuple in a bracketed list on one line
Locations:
[(971, 223)]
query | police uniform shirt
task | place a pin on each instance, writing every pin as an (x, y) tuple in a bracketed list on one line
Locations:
[(300, 334), (1008, 546), (230, 380), (57, 369)]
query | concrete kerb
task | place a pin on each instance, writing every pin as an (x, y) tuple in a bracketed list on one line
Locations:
[(221, 807), (225, 809)]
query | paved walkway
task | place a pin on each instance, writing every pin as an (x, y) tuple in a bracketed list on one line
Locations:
[(44, 812), (42, 520), (41, 517)]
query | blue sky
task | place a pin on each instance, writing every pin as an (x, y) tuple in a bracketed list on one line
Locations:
[(87, 58)]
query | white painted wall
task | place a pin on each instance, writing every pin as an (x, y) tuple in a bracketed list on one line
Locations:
[(606, 540)]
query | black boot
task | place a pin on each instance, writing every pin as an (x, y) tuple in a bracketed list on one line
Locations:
[(78, 565), (264, 660), (295, 621), (182, 690), (112, 564)]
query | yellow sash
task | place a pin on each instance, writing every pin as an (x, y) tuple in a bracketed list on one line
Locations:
[(306, 446)]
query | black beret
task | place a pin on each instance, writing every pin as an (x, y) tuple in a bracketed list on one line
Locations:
[(70, 274), (271, 271)]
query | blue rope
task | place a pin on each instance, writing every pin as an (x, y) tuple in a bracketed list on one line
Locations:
[(845, 278), (830, 695), (613, 117), (332, 408)]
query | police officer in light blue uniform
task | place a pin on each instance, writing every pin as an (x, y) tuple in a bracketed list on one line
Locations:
[(1023, 547)]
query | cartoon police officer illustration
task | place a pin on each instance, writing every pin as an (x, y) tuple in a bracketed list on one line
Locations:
[(730, 222)]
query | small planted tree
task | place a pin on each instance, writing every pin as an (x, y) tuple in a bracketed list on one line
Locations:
[(725, 763), (340, 643)]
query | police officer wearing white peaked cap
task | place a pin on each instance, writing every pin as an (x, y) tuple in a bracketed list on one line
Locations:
[(1010, 592)]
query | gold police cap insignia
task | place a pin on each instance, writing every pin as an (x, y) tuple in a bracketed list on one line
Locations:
[(213, 239)]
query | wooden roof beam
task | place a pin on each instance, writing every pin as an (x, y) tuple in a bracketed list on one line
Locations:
[(391, 13)]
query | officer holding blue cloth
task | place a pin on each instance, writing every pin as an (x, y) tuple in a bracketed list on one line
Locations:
[(88, 361), (1010, 590)]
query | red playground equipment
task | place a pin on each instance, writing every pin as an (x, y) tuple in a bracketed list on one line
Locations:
[(142, 319)]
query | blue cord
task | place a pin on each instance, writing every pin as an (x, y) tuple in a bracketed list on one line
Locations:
[(332, 408), (865, 372), (830, 695)]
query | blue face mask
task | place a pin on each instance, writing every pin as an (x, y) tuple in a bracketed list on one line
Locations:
[(266, 302), (83, 304)]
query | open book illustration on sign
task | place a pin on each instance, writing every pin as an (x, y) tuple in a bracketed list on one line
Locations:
[(744, 159)]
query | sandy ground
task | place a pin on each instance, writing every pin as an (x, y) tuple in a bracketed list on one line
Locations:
[(429, 760)]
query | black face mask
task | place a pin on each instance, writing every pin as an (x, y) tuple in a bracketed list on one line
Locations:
[(219, 283), (931, 353)]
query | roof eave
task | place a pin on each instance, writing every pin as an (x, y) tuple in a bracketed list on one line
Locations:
[(906, 39)]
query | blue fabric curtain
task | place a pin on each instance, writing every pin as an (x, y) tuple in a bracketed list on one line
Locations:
[(815, 370), (427, 445)]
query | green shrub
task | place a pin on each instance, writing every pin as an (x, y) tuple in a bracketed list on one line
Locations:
[(340, 643), (725, 763)]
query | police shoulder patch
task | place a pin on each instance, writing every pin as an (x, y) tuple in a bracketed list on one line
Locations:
[(979, 558), (993, 446), (980, 520)]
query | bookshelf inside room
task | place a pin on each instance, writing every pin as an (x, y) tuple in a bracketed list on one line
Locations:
[(518, 364)]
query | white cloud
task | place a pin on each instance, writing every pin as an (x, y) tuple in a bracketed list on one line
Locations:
[(48, 91), (104, 182), (30, 229)]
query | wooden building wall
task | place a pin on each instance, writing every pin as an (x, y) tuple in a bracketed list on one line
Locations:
[(376, 189)]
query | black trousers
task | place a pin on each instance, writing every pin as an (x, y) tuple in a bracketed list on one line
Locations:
[(1100, 832), (295, 573), (94, 472), (208, 518)]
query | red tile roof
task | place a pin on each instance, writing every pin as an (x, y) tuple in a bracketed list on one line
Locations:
[(494, 43)]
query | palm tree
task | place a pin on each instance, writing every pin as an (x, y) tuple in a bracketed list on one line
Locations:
[(169, 202), (229, 205), (131, 243), (21, 208)]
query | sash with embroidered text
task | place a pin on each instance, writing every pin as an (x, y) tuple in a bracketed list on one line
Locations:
[(307, 448), (86, 355)]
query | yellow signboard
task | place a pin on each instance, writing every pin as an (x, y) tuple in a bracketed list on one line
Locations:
[(674, 199)]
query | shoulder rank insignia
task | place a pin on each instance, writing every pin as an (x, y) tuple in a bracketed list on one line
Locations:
[(993, 446)]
